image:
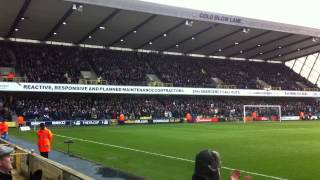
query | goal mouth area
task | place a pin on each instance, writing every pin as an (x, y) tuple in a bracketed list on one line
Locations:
[(261, 113)]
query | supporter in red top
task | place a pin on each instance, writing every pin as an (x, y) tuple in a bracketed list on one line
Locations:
[(10, 76), (121, 119)]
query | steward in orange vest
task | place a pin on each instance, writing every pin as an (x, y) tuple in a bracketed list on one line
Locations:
[(254, 116), (121, 119), (189, 118), (4, 129), (44, 140), (20, 120), (301, 114)]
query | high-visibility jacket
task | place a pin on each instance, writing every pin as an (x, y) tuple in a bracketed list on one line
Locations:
[(44, 140), (121, 117), (189, 117), (4, 128), (20, 120), (301, 115), (10, 75), (254, 115)]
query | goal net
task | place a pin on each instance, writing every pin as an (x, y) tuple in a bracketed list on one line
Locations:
[(261, 113)]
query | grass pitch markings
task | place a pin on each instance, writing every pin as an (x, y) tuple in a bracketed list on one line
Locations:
[(163, 155)]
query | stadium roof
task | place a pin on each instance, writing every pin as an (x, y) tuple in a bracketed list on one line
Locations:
[(141, 25)]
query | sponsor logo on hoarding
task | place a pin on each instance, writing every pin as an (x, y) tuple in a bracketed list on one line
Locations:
[(36, 123), (161, 120), (58, 122), (88, 122), (105, 122)]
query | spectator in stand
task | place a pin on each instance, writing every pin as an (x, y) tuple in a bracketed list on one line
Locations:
[(10, 76), (5, 162)]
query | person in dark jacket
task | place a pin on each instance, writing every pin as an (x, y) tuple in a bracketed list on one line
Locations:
[(207, 166), (5, 163)]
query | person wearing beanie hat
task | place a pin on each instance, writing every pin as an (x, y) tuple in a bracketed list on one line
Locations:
[(207, 166)]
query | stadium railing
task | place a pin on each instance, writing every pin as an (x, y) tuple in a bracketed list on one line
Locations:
[(15, 79), (275, 88), (311, 89), (26, 163), (89, 81), (160, 84), (227, 86)]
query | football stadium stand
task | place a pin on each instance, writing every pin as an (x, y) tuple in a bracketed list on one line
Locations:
[(58, 64), (80, 62)]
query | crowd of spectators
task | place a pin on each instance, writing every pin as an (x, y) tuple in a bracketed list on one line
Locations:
[(62, 64), (119, 68), (277, 75), (135, 107), (5, 108), (5, 60), (180, 71), (231, 73), (52, 64)]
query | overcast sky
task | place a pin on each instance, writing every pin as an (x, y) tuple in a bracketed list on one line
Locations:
[(297, 12)]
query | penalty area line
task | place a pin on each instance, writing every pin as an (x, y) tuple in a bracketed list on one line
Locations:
[(166, 156)]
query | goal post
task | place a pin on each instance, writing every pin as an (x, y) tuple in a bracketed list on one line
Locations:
[(261, 112)]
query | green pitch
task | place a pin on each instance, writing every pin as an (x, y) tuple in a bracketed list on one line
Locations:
[(289, 150)]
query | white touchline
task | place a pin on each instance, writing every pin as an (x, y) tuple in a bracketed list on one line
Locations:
[(163, 155)]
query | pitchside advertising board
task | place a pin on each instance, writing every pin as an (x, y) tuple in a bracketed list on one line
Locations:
[(297, 118), (100, 122), (106, 89), (69, 123)]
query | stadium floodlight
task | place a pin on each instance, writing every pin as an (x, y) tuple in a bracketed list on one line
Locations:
[(298, 49), (219, 50), (134, 31), (261, 53), (189, 23), (64, 23), (236, 43), (279, 47), (102, 27), (16, 29), (150, 43), (90, 37), (261, 113), (241, 52), (54, 33), (193, 38), (315, 39), (121, 40), (177, 45), (259, 45), (22, 18), (279, 55), (164, 35)]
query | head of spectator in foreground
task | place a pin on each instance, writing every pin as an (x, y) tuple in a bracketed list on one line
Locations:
[(42, 126), (5, 159), (207, 166)]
